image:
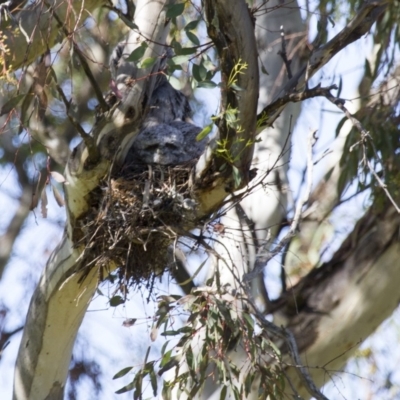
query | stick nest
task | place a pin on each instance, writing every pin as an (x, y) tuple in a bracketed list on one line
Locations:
[(136, 215)]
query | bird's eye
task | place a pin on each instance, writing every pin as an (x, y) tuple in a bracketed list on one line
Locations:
[(152, 147), (171, 146)]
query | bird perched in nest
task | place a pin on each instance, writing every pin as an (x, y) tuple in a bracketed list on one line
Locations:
[(167, 135)]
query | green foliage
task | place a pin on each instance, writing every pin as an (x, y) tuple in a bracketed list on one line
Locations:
[(378, 115), (138, 53), (204, 132), (174, 10), (216, 324), (237, 70)]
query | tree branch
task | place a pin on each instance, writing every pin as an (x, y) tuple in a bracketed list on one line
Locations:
[(231, 29), (264, 255), (354, 30), (66, 288), (364, 136)]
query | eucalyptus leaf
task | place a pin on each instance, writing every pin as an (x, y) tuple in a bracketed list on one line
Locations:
[(193, 38), (174, 10), (207, 84), (148, 62), (123, 372), (204, 132), (11, 104), (192, 25), (116, 301), (138, 53)]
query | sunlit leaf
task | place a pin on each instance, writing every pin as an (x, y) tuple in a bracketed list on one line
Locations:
[(148, 62), (123, 372), (236, 87), (181, 59), (57, 177), (58, 197), (204, 132)]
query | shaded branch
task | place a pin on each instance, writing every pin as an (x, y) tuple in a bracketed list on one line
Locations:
[(281, 102), (13, 229), (231, 29)]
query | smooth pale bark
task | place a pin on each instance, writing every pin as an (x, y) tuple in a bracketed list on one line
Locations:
[(61, 299), (55, 314)]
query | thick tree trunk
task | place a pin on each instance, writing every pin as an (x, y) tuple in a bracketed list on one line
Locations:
[(337, 306), (63, 294), (66, 287)]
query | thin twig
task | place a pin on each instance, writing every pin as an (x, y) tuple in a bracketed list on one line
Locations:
[(364, 136), (99, 94), (283, 54), (290, 340), (264, 255), (300, 368), (89, 140)]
